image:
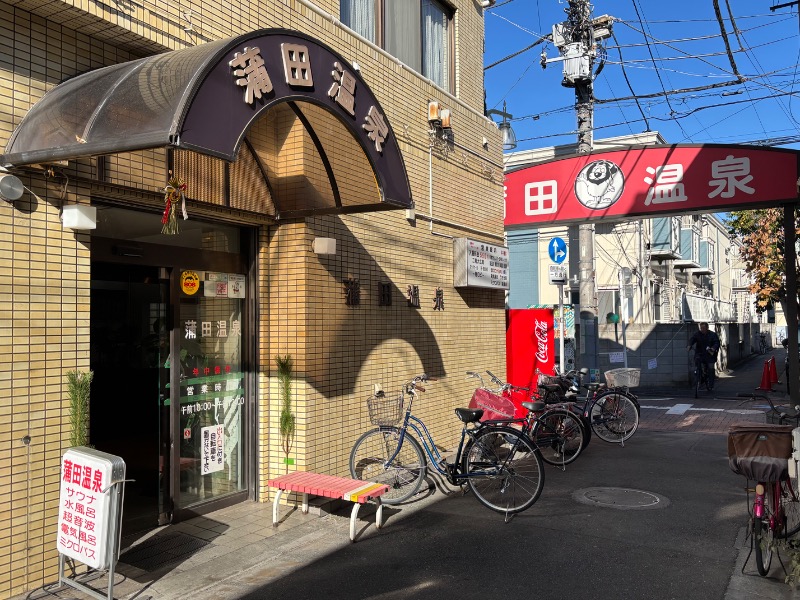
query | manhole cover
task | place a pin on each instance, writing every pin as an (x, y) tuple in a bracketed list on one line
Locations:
[(621, 498)]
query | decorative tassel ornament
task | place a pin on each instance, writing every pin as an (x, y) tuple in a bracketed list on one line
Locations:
[(174, 192)]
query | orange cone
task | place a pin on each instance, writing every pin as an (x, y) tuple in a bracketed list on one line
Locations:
[(773, 371), (766, 380)]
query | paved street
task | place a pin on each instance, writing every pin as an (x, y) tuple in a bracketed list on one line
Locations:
[(663, 517)]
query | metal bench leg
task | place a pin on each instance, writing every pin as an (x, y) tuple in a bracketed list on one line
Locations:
[(353, 516), (379, 513), (305, 504), (275, 508)]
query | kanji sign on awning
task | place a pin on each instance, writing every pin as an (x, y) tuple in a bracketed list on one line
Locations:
[(206, 98), (641, 181)]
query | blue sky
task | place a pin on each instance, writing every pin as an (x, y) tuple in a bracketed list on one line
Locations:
[(683, 38)]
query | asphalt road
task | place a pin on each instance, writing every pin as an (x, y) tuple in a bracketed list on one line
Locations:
[(681, 546)]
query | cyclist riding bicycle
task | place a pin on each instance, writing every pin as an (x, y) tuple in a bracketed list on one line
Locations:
[(706, 344)]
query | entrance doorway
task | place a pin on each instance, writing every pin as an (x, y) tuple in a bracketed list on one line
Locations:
[(179, 425), (129, 348)]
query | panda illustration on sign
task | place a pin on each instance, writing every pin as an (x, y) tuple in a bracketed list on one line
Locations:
[(599, 184)]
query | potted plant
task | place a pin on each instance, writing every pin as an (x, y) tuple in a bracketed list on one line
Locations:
[(78, 387), (284, 364)]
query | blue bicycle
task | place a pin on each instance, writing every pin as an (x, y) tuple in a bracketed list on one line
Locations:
[(501, 466)]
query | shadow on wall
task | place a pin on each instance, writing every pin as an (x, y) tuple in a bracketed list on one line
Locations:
[(383, 311)]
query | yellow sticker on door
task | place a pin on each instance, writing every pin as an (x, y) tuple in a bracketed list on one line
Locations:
[(190, 282)]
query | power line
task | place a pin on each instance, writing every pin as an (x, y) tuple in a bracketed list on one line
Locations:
[(517, 53), (658, 74), (628, 81)]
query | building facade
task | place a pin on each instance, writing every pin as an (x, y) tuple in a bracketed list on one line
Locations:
[(327, 160)]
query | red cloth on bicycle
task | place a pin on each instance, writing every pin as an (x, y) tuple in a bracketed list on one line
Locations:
[(494, 407)]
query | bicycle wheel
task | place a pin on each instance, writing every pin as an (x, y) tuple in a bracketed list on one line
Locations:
[(614, 417), (790, 503), (762, 535), (698, 379), (559, 436), (405, 473), (504, 469)]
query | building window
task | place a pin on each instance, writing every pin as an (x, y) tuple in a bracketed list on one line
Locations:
[(418, 32)]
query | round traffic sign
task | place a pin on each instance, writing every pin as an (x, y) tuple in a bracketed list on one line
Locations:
[(557, 248)]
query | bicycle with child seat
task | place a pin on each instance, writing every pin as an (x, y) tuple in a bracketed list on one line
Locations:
[(556, 432), (502, 468), (764, 455)]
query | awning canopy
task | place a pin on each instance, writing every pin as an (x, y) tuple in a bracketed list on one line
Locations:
[(205, 99)]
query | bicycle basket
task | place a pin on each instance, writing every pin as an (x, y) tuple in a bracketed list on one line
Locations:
[(385, 411), (623, 377), (548, 379), (760, 452)]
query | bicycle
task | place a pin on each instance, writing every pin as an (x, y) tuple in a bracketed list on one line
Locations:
[(703, 376), (612, 412), (763, 454), (555, 431), (762, 342), (502, 468)]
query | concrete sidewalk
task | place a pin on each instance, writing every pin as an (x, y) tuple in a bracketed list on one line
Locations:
[(234, 551)]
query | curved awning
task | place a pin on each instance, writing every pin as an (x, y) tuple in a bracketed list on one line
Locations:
[(205, 99)]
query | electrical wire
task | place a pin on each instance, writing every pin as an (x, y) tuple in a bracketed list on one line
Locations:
[(517, 53), (658, 73), (630, 87)]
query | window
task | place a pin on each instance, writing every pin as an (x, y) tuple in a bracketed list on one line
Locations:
[(418, 32)]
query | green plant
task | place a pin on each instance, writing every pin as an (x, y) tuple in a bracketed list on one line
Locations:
[(79, 388), (287, 417)]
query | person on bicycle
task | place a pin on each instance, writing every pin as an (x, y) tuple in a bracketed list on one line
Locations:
[(706, 345)]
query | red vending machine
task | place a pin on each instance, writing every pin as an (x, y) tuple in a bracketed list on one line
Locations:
[(530, 345)]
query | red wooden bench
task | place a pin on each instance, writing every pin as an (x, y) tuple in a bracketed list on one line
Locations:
[(328, 486)]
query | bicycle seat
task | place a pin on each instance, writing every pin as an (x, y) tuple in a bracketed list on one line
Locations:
[(592, 387), (468, 415), (533, 406)]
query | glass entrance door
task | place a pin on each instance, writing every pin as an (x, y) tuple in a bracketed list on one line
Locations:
[(178, 424), (211, 385)]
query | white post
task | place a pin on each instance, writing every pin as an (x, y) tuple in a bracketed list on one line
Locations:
[(561, 327), (623, 315)]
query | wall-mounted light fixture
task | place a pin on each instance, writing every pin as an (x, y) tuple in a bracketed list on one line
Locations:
[(11, 186), (509, 137), (324, 245), (79, 216), (434, 119), (439, 120)]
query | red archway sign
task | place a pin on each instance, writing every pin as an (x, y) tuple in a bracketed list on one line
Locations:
[(650, 181)]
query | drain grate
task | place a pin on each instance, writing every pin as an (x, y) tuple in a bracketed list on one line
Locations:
[(163, 550)]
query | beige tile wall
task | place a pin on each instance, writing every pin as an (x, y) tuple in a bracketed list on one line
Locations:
[(339, 351)]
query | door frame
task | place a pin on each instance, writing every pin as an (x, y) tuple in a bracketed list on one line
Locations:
[(172, 259)]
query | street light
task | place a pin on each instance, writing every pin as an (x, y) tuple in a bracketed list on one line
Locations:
[(509, 137)]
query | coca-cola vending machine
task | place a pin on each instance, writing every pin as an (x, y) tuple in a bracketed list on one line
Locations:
[(530, 345)]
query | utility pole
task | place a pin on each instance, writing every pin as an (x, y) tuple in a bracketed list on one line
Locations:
[(575, 39), (579, 18)]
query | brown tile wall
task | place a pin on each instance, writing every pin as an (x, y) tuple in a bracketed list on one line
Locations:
[(339, 351)]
